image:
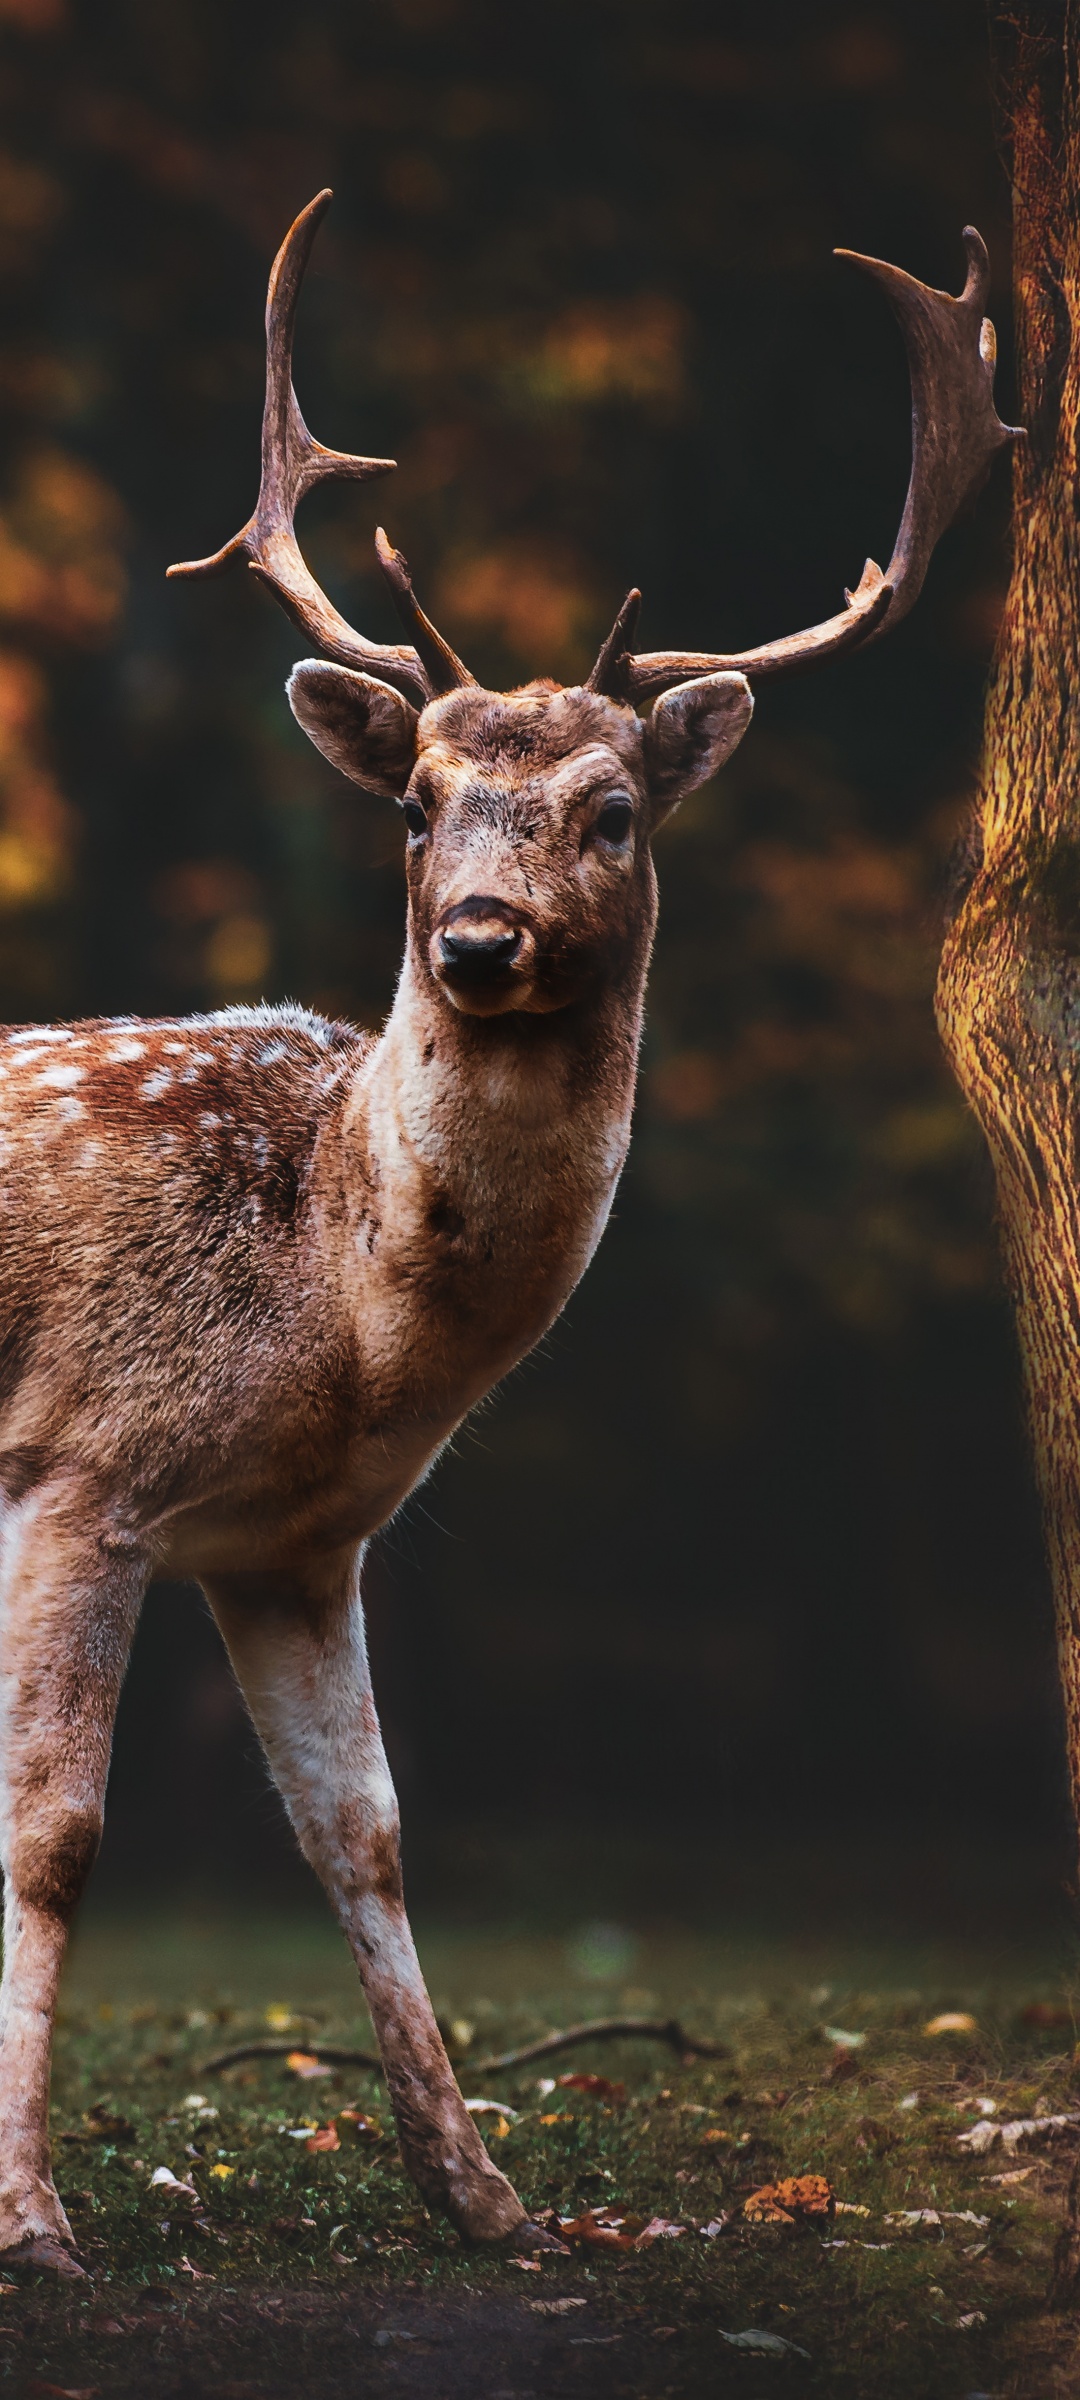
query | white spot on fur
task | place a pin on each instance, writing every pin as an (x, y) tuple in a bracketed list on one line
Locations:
[(152, 1086), (124, 1050), (200, 1058), (89, 1154), (269, 1056), (61, 1078), (40, 1033), (210, 1124), (70, 1111), (174, 1049)]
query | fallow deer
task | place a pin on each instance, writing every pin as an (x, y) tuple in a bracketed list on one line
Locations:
[(255, 1267)]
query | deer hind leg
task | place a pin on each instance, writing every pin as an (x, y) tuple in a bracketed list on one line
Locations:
[(69, 1599), (297, 1643)]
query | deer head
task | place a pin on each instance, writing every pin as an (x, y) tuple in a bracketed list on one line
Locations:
[(530, 814)]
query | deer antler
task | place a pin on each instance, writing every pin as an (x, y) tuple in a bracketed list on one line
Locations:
[(292, 462), (956, 432)]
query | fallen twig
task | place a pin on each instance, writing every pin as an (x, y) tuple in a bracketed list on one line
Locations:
[(596, 2029)]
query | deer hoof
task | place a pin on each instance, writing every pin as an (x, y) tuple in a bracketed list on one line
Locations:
[(43, 2255)]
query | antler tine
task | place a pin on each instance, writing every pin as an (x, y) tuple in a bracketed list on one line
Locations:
[(292, 462), (956, 433), (445, 670)]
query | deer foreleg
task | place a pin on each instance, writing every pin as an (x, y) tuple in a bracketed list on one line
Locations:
[(69, 1599), (298, 1646)]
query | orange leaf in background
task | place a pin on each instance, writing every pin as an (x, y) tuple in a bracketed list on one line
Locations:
[(326, 2138), (299, 2062), (598, 2085), (793, 2197)]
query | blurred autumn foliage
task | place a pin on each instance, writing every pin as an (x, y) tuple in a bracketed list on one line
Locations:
[(578, 279)]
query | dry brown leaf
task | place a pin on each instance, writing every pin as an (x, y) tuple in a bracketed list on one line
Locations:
[(325, 2137), (64, 2391), (952, 2020), (600, 2086), (609, 2229)]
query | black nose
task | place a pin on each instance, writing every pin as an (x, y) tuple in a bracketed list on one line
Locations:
[(477, 953)]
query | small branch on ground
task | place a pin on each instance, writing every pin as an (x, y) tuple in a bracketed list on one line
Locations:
[(596, 2029)]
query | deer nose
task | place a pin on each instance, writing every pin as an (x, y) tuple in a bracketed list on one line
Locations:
[(477, 953)]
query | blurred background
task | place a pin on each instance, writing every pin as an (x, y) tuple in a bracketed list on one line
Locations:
[(748, 1550)]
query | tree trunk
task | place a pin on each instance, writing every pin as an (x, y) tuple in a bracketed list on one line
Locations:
[(1009, 987)]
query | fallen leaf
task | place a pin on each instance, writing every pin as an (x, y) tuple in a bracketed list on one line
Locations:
[(280, 2020), (554, 2308), (952, 2020), (609, 2229), (975, 2316), (843, 2041), (808, 2197), (563, 2118), (716, 2133), (65, 2391), (531, 2265), (771, 2345), (105, 2126), (1015, 2175), (496, 2108), (326, 2137), (982, 2137), (302, 2064), (599, 2086), (1048, 2015), (715, 2225), (164, 2177), (910, 2100), (222, 2173), (601, 2228), (851, 2208), (199, 2273)]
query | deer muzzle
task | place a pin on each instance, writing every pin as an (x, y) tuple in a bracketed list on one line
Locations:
[(481, 955)]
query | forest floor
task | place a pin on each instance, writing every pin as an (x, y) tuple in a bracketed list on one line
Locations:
[(286, 2269)]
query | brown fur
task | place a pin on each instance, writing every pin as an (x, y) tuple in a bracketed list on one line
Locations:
[(255, 1268)]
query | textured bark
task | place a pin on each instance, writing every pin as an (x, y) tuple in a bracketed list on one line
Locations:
[(1009, 989)]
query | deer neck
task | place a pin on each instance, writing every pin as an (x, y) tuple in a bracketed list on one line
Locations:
[(478, 1163)]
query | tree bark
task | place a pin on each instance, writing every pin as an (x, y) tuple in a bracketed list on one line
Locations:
[(1009, 985)]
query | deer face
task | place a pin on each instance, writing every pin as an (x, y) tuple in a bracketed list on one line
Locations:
[(529, 820)]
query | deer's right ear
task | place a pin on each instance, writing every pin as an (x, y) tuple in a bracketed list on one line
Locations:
[(360, 725)]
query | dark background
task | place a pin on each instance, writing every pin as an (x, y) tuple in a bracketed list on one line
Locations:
[(751, 1541)]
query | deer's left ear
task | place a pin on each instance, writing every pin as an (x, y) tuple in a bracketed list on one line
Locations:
[(690, 733)]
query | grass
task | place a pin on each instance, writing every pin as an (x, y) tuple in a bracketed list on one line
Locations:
[(294, 2271)]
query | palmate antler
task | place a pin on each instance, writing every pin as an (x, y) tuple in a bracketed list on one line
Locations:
[(292, 462), (956, 432)]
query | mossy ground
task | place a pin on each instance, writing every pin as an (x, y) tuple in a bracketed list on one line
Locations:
[(295, 2271)]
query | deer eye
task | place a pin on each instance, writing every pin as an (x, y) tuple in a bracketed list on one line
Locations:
[(415, 817), (615, 819)]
